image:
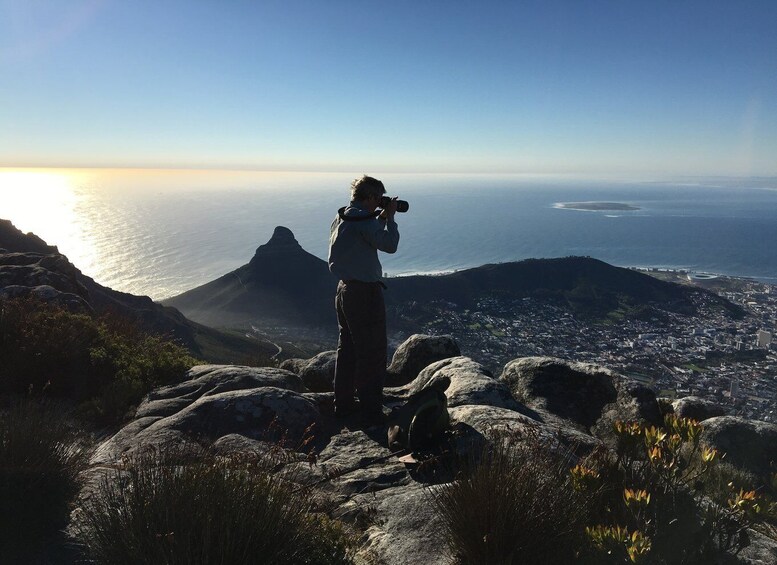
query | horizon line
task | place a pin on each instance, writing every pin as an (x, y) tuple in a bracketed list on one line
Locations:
[(379, 170)]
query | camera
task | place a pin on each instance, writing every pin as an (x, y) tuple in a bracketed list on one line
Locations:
[(402, 205)]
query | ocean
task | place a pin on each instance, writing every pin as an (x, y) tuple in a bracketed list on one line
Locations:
[(161, 232)]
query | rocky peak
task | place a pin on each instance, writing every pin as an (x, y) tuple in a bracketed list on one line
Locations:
[(282, 242), (282, 239)]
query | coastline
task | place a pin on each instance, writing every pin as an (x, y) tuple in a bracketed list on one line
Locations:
[(647, 269)]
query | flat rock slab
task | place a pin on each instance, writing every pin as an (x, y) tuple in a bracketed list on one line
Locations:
[(486, 420), (207, 380), (265, 413), (407, 530), (369, 465)]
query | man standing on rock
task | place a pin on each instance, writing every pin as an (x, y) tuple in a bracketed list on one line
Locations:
[(357, 234)]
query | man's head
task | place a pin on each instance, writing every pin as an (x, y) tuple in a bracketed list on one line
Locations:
[(366, 189)]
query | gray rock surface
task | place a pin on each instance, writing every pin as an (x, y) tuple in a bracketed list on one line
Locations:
[(407, 530), (203, 410), (485, 420), (749, 444), (697, 408), (318, 373), (415, 354), (294, 365), (573, 391), (471, 383), (588, 396), (633, 402), (207, 380)]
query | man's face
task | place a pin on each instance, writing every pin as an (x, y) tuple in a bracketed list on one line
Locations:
[(373, 202)]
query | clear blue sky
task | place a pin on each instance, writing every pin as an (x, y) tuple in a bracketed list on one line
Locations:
[(652, 87)]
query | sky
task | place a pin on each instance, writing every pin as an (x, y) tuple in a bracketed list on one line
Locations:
[(656, 87)]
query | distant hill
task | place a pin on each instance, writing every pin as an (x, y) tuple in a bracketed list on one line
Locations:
[(586, 286), (29, 264), (285, 285), (282, 284)]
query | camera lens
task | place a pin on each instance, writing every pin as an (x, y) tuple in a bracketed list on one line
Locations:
[(402, 205)]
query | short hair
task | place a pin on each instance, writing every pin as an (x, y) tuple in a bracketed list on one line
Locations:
[(365, 187)]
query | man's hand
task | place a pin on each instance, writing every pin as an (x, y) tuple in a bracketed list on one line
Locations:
[(389, 211)]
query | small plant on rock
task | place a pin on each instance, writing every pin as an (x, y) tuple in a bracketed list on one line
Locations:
[(514, 503), (658, 505)]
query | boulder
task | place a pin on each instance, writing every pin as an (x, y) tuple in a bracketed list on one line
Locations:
[(294, 365), (573, 391), (587, 396), (265, 413), (470, 383), (318, 374), (46, 293), (416, 353), (486, 420), (207, 380), (749, 444), (35, 269), (697, 408), (123, 441)]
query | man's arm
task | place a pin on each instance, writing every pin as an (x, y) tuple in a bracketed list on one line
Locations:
[(383, 233)]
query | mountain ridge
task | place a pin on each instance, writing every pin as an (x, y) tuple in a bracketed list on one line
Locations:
[(286, 285), (28, 265)]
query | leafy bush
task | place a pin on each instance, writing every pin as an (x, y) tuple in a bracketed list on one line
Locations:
[(514, 504), (41, 456), (106, 362), (661, 497), (165, 508)]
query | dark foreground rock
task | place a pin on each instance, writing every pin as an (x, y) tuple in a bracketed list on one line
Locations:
[(318, 373), (587, 397), (697, 408), (749, 444)]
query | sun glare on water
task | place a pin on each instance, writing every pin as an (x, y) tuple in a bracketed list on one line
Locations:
[(44, 202)]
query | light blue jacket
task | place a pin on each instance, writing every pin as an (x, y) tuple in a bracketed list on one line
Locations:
[(354, 244)]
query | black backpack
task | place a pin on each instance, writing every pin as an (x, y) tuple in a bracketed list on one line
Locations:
[(420, 423)]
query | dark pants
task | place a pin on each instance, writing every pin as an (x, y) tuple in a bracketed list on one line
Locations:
[(361, 347)]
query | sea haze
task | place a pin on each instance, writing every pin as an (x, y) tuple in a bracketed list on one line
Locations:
[(163, 232)]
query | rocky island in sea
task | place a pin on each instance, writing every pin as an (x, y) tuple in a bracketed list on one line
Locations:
[(597, 206)]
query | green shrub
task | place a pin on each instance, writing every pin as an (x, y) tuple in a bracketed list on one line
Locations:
[(107, 363), (666, 499), (515, 503), (45, 346), (41, 456), (168, 509)]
